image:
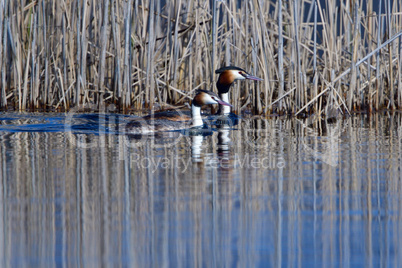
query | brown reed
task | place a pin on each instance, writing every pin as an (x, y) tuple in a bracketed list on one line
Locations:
[(136, 54)]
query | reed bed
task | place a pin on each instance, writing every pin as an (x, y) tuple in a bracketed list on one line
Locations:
[(314, 56)]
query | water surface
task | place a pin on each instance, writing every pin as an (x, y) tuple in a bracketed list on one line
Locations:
[(263, 193)]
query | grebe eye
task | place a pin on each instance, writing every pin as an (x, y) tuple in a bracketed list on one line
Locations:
[(242, 74)]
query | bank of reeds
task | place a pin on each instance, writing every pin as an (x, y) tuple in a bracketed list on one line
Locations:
[(134, 54)]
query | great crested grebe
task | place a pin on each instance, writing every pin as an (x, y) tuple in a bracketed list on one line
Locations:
[(227, 76), (175, 120)]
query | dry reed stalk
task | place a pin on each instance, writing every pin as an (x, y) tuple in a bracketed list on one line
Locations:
[(355, 47), (214, 34), (3, 98), (4, 60), (117, 60), (17, 54), (149, 81), (102, 59), (296, 54), (390, 56), (127, 56), (315, 78), (35, 64), (45, 83), (370, 35), (64, 59), (280, 56), (175, 50), (379, 87), (79, 54), (399, 100)]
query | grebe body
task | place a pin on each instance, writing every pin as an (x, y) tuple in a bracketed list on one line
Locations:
[(175, 120)]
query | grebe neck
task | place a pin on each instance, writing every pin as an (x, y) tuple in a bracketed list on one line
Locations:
[(196, 116), (223, 109)]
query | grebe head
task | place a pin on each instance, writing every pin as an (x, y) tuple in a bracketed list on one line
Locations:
[(203, 97), (227, 76)]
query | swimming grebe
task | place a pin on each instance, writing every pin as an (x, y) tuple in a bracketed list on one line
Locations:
[(227, 76), (175, 120)]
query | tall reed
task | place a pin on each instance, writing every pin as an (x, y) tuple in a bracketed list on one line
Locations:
[(136, 54)]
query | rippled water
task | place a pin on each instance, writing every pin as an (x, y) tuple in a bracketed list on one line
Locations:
[(265, 192)]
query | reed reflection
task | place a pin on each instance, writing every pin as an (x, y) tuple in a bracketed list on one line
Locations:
[(122, 202)]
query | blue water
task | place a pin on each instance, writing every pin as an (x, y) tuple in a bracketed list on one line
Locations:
[(74, 191)]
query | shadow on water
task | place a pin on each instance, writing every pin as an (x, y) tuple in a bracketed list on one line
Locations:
[(265, 192)]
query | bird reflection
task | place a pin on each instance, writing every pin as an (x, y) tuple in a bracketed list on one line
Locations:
[(223, 140), (196, 143)]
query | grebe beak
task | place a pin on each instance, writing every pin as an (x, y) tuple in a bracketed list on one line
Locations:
[(224, 103), (252, 77)]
